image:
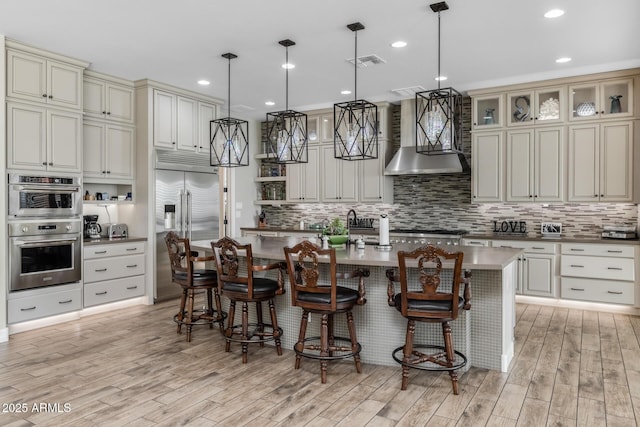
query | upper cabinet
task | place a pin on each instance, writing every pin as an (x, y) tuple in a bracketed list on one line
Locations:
[(488, 112), (44, 80), (487, 174), (606, 99), (107, 98), (542, 106), (181, 122), (43, 139)]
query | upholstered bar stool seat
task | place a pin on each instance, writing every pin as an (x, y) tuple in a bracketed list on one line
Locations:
[(421, 300), (247, 288), (326, 299), (192, 281)]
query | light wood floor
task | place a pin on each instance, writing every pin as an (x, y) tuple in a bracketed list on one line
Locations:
[(129, 366)]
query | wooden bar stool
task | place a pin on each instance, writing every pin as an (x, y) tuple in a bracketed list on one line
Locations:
[(191, 280), (324, 299), (237, 282), (420, 300)]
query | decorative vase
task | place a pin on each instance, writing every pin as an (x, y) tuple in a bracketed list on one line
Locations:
[(615, 104), (488, 116), (585, 109)]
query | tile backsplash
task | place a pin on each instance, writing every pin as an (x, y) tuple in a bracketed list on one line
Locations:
[(444, 201)]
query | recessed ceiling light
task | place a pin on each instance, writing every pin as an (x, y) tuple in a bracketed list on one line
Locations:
[(204, 82), (345, 92), (440, 78), (288, 66), (270, 103), (563, 60), (399, 43), (554, 13)]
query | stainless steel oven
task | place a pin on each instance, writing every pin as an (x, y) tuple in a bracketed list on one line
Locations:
[(44, 253), (44, 196)]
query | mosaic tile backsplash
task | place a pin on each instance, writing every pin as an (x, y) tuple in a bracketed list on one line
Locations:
[(444, 201)]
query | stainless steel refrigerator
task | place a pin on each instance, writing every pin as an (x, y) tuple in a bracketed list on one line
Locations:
[(189, 204)]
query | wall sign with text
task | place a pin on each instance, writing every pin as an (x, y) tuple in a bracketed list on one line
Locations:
[(510, 227)]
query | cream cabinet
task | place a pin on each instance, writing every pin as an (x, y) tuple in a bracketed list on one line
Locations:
[(43, 302), (535, 165), (303, 179), (373, 185), (265, 233), (206, 113), (603, 273), (339, 178), (540, 106), (108, 152), (488, 112), (181, 122), (44, 80), (113, 272), (537, 267), (43, 139), (488, 167), (605, 99), (106, 99), (601, 162), (325, 122)]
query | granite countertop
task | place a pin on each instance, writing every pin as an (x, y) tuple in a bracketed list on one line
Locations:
[(481, 258), (561, 239), (106, 241)]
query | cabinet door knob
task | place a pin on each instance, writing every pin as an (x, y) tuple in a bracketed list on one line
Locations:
[(104, 171), (50, 164), (50, 96), (44, 163), (173, 143), (104, 112), (108, 113), (44, 95)]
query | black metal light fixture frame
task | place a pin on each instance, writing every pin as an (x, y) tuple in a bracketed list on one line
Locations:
[(228, 137), (287, 130), (439, 113), (355, 122)]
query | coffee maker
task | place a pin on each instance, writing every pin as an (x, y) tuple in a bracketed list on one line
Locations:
[(91, 227)]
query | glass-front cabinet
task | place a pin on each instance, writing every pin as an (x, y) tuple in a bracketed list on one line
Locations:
[(541, 106), (488, 112), (606, 99)]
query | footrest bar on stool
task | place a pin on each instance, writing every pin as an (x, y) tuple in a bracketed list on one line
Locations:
[(266, 335), (198, 318), (459, 362), (332, 349)]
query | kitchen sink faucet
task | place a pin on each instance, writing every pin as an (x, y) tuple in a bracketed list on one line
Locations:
[(354, 222)]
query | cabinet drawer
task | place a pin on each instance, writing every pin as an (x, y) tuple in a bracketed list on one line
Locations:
[(530, 247), (597, 268), (603, 291), (112, 268), (598, 250), (114, 249), (113, 290), (46, 304)]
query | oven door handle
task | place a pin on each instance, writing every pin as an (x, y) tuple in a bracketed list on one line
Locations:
[(24, 243), (55, 190)]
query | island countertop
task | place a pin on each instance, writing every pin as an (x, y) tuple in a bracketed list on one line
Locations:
[(485, 258)]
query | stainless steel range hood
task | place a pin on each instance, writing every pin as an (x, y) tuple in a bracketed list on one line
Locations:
[(406, 161)]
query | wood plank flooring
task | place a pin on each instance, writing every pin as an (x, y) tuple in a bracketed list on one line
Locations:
[(129, 367)]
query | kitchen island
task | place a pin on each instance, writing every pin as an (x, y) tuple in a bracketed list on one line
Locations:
[(484, 334)]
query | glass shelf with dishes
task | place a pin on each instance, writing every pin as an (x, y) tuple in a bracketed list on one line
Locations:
[(606, 99)]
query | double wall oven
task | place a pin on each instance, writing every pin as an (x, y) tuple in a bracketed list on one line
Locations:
[(45, 231)]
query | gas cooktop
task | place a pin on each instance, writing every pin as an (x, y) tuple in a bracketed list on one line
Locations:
[(438, 231)]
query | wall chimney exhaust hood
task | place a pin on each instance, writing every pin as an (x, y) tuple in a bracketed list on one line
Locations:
[(406, 161)]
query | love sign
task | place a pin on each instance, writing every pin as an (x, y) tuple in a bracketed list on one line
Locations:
[(514, 227)]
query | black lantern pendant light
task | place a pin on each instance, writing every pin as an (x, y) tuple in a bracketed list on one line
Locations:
[(356, 122), (439, 113), (287, 130), (229, 137)]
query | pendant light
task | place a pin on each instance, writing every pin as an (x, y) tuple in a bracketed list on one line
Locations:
[(229, 146), (439, 112), (287, 130), (355, 134)]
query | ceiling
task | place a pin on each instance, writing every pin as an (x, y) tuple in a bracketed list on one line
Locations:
[(483, 44)]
